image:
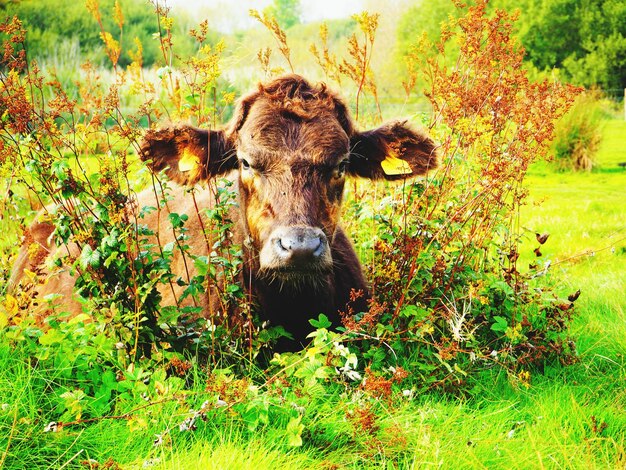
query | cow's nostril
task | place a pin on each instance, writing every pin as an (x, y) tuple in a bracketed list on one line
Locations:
[(282, 245)]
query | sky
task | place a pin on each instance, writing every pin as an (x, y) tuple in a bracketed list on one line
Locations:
[(233, 14)]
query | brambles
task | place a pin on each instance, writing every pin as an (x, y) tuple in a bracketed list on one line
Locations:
[(78, 158)]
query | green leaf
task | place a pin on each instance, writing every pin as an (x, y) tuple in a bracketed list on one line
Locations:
[(51, 337), (191, 99), (408, 311), (89, 257), (112, 257), (60, 169), (321, 322), (255, 415), (178, 220), (202, 265), (233, 288), (500, 324), (294, 432)]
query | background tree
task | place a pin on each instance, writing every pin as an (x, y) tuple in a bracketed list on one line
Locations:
[(286, 12), (60, 32), (585, 39)]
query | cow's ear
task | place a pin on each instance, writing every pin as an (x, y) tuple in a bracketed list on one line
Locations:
[(187, 154), (393, 151)]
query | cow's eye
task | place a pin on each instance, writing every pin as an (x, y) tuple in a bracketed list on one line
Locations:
[(340, 170), (244, 164)]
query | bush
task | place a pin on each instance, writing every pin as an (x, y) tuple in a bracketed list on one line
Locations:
[(449, 292), (578, 134)]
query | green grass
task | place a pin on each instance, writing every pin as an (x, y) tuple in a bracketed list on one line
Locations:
[(585, 214), (571, 417), (612, 147)]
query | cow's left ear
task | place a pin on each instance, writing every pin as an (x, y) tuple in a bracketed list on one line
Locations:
[(393, 151), (188, 154)]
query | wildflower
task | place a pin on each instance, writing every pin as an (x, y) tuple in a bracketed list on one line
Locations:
[(524, 378), (189, 424), (349, 373), (220, 403), (341, 349), (151, 462), (53, 426)]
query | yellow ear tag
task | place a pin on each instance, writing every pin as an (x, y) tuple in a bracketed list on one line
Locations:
[(188, 161), (393, 165)]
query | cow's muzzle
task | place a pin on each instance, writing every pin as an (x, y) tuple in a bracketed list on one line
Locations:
[(296, 249)]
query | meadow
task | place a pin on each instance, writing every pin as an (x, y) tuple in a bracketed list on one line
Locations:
[(569, 417), (473, 359)]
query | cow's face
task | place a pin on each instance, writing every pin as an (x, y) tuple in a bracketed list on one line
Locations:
[(293, 145), (292, 169)]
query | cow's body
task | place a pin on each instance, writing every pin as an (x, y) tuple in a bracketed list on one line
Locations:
[(288, 148)]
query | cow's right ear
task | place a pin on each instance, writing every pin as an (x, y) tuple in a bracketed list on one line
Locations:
[(393, 151), (188, 154)]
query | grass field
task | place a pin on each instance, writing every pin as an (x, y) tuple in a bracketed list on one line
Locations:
[(570, 417)]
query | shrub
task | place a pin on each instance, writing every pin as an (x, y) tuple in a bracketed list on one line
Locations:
[(79, 154), (578, 134), (449, 292)]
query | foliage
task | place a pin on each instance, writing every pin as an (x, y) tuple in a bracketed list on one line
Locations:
[(498, 425), (73, 30), (76, 155), (584, 40), (425, 17), (450, 301), (454, 293), (286, 12), (579, 133)]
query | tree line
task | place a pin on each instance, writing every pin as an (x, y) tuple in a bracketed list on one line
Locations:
[(585, 40), (58, 27)]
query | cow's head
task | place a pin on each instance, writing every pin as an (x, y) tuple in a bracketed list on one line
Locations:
[(293, 145)]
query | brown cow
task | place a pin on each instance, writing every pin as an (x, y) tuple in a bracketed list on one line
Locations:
[(289, 147)]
